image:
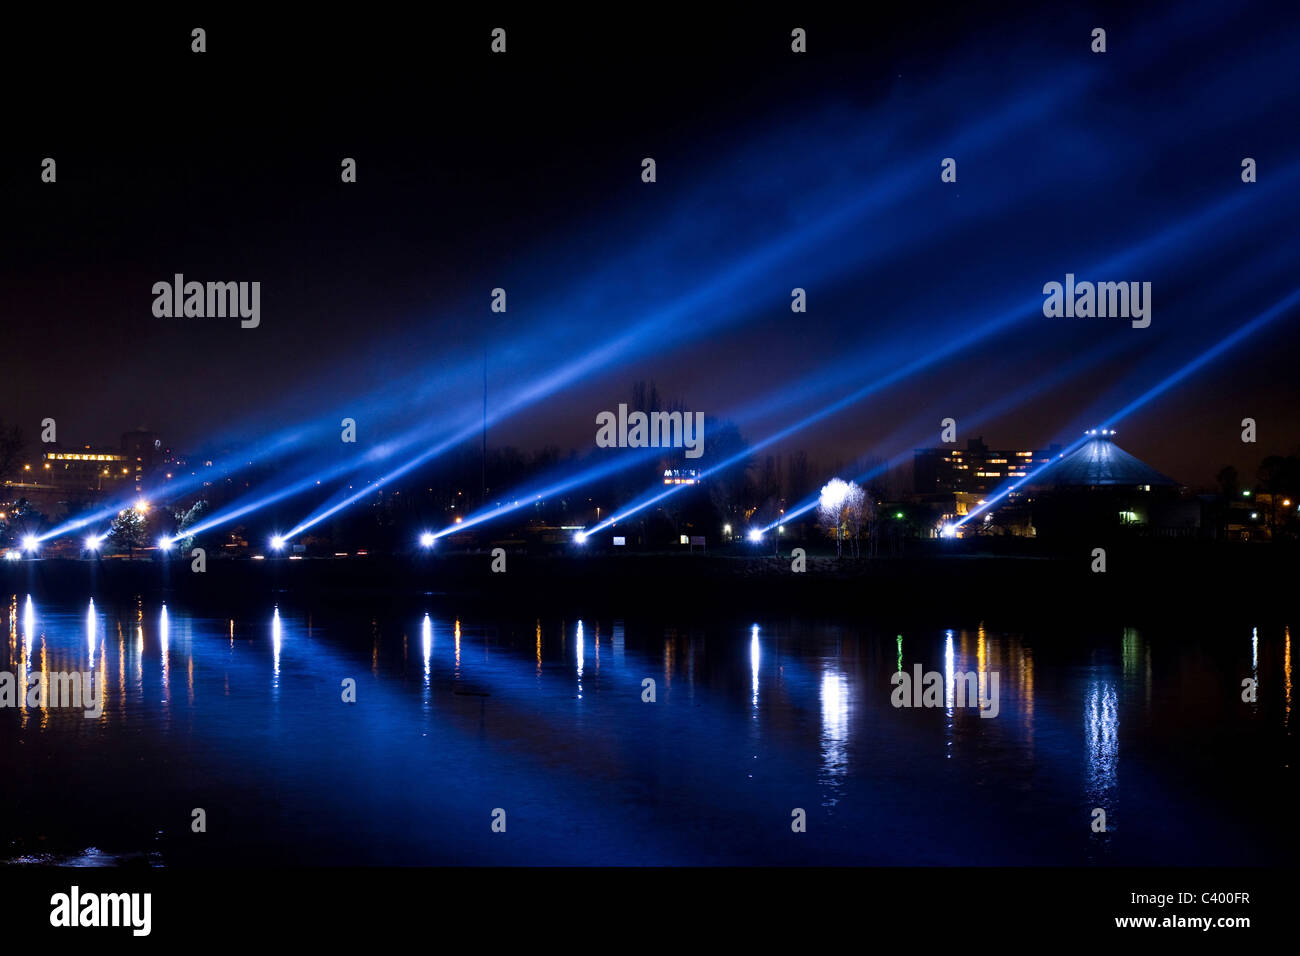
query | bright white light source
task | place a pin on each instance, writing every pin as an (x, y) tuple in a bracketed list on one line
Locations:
[(949, 531), (427, 539), (29, 542), (580, 537), (277, 542), (92, 543), (164, 542), (12, 555), (755, 534)]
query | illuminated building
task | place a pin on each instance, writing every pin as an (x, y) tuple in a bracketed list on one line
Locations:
[(941, 510), (143, 450), (1100, 463), (1100, 486), (976, 470), (681, 476), (87, 469), (71, 477)]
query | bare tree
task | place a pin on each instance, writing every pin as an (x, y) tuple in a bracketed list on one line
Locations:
[(855, 512), (842, 506)]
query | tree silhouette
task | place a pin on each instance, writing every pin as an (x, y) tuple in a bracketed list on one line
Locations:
[(128, 530)]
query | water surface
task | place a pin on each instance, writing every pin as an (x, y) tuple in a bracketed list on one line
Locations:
[(243, 717)]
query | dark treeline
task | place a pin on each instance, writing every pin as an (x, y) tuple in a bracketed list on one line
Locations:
[(554, 488), (548, 491)]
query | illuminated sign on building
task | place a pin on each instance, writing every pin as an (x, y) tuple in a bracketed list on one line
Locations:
[(681, 476)]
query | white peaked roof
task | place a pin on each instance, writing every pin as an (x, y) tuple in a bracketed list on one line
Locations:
[(1100, 462)]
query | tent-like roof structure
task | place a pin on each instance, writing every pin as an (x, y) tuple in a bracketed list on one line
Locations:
[(1099, 462)]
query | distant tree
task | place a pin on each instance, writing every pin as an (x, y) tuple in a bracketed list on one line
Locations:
[(798, 477), (856, 512), (645, 397), (188, 519), (727, 486), (841, 508), (769, 478), (1227, 479), (1279, 476), (11, 448), (128, 530), (21, 520), (902, 521)]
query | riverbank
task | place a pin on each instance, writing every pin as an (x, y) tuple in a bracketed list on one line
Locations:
[(1142, 580)]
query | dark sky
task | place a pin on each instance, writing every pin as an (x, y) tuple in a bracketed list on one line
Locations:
[(774, 171)]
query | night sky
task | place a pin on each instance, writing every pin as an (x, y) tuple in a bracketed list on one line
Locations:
[(775, 171)]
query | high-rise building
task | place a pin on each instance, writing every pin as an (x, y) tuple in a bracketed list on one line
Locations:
[(143, 450), (976, 470), (86, 469)]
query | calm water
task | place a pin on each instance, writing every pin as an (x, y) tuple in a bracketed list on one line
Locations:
[(243, 717)]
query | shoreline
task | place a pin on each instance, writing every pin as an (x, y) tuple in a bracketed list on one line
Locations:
[(1147, 580)]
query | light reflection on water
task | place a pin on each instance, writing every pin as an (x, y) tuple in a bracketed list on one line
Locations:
[(426, 643), (835, 730), (578, 639), (750, 721), (1101, 728), (1286, 672), (164, 640), (90, 632), (277, 639)]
